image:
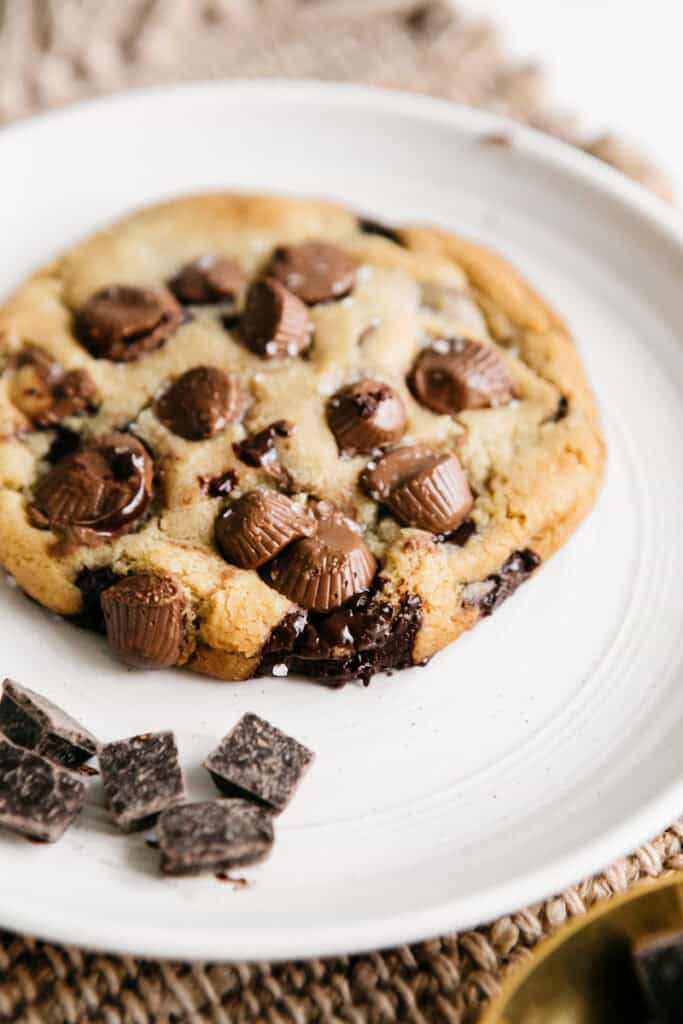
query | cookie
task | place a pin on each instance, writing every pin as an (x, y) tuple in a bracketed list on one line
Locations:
[(255, 435)]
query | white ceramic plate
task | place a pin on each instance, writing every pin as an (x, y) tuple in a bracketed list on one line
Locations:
[(547, 741)]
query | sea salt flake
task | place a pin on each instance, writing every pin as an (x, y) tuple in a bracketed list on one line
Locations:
[(280, 670)]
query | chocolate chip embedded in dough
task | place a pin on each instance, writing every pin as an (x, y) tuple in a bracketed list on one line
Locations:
[(314, 271), (46, 392), (365, 416), (368, 226), (258, 526), (323, 571), (200, 403), (209, 279), (276, 324), (423, 488), (456, 374), (122, 323), (105, 487), (144, 615), (489, 593)]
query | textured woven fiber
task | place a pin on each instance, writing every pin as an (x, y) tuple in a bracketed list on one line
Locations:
[(55, 51)]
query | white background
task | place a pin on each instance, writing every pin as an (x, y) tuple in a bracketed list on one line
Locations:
[(617, 63)]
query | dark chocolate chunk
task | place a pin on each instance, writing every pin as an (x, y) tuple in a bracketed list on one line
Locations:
[(374, 227), (38, 798), (367, 635), (460, 535), (141, 777), (313, 271), (561, 411), (46, 392), (231, 321), (105, 487), (259, 449), (323, 571), (219, 486), (659, 967), (489, 593), (34, 722), (258, 762), (65, 441), (456, 374), (122, 323), (258, 526), (365, 416), (209, 279), (213, 835), (276, 323), (423, 488), (200, 403), (91, 583), (145, 620)]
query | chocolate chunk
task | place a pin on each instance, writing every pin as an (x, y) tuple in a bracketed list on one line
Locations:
[(367, 635), (122, 323), (258, 762), (46, 392), (38, 798), (210, 278), (275, 322), (659, 967), (259, 449), (313, 271), (365, 416), (489, 593), (91, 583), (219, 486), (34, 722), (423, 488), (200, 403), (213, 835), (64, 442), (460, 535), (145, 619), (258, 526), (106, 487), (374, 227), (458, 374), (561, 411), (141, 777), (324, 571)]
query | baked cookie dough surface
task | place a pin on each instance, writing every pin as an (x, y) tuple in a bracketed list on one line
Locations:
[(250, 435)]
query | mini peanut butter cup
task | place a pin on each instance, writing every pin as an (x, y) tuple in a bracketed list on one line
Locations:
[(122, 322), (323, 571), (276, 323), (200, 403), (105, 487), (46, 392), (209, 279), (314, 271), (423, 488), (459, 373), (365, 416), (258, 526), (144, 616)]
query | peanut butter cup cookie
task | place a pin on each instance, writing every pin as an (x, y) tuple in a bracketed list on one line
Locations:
[(253, 435)]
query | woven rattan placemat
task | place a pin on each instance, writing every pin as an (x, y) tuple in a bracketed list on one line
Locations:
[(54, 51)]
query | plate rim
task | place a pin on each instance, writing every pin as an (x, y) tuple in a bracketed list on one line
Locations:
[(194, 943)]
